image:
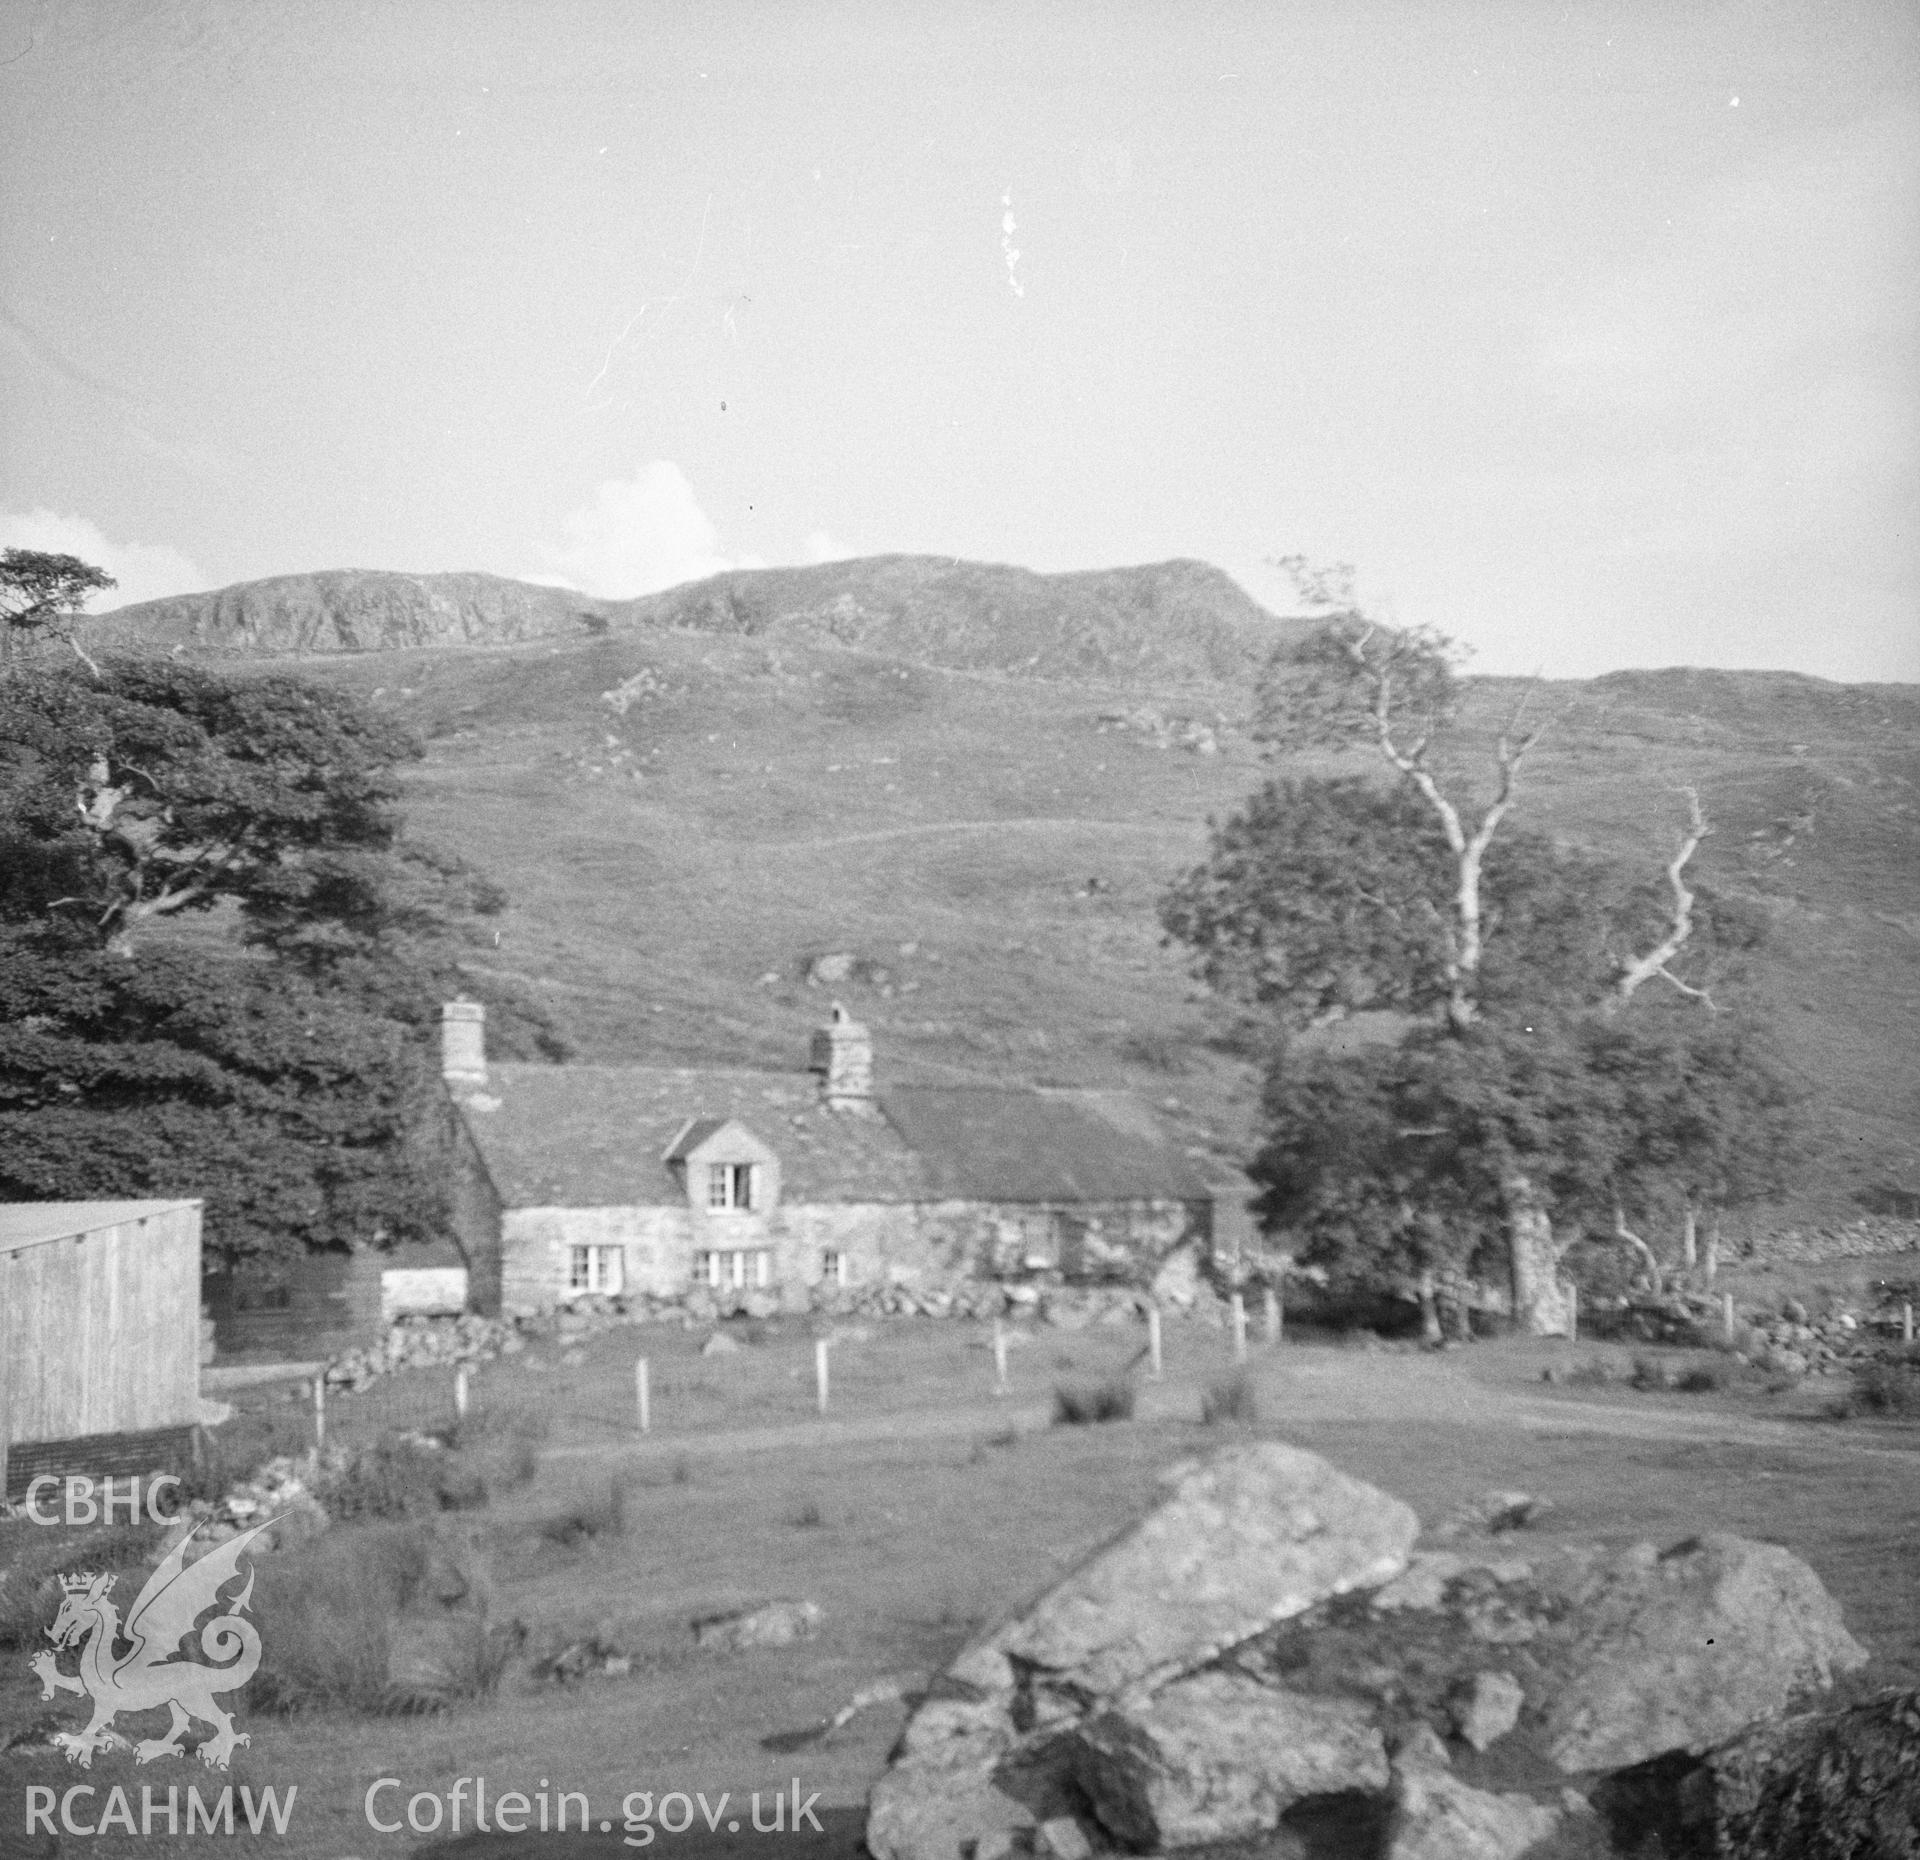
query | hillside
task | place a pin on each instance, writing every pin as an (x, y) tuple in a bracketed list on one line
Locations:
[(734, 780), (343, 610), (1169, 621), (1180, 621)]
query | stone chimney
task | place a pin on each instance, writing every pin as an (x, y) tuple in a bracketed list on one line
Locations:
[(843, 1057), (463, 1045)]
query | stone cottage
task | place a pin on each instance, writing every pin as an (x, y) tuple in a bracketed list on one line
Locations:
[(576, 1181)]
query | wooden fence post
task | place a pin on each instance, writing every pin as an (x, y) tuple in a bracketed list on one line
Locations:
[(1272, 1315), (999, 1357), (1906, 1322), (642, 1395), (461, 1392), (1573, 1314), (1239, 1328), (320, 1412), (820, 1372), (1155, 1364), (1726, 1316)]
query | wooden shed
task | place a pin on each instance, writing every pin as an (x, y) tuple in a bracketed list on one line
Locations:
[(99, 1336)]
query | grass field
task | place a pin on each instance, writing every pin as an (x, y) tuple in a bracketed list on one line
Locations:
[(923, 1507)]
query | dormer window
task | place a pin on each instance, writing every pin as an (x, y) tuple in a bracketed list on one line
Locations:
[(724, 1169), (729, 1187)]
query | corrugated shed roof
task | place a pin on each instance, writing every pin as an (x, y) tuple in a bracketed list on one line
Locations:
[(596, 1136), (988, 1143), (30, 1223)]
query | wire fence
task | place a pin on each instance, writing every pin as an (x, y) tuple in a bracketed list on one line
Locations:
[(589, 1392)]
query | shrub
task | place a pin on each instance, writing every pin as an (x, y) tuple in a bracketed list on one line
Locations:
[(392, 1478), (1882, 1388), (28, 1604), (590, 1516), (30, 1586), (1087, 1404), (481, 1428), (1826, 1787), (325, 1612), (1004, 1437), (809, 1517), (233, 1452), (1647, 1374), (1232, 1398), (408, 1476), (488, 1450), (377, 1618), (1708, 1378), (1595, 1372), (1155, 1051)]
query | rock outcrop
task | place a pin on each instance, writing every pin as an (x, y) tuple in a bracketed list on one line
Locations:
[(1266, 1648), (1219, 1757), (1249, 1537)]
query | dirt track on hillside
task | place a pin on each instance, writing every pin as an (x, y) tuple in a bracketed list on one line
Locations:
[(880, 835)]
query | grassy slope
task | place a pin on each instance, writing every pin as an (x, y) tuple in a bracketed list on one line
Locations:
[(775, 797)]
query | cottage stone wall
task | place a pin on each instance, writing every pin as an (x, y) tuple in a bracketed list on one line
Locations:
[(656, 1248), (1082, 1241), (881, 1243)]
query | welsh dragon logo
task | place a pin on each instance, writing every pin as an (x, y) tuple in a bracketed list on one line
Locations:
[(150, 1673)]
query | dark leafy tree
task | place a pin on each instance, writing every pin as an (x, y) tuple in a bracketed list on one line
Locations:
[(40, 597), (278, 1061), (1710, 1119), (1520, 1088)]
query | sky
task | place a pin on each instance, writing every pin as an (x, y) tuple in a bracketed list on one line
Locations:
[(1587, 332)]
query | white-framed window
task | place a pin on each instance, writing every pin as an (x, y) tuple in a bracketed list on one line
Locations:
[(596, 1269), (833, 1266), (729, 1187), (735, 1267)]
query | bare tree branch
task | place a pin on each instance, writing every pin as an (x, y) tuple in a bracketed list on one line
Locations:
[(81, 653), (1621, 1231), (1644, 968)]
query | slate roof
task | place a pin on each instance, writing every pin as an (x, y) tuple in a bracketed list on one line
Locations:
[(997, 1143), (698, 1130), (597, 1136)]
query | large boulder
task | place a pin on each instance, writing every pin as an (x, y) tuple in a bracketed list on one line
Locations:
[(1682, 1650), (1247, 1537), (1219, 1757)]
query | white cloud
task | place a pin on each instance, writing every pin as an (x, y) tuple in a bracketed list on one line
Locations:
[(819, 546), (639, 535), (145, 571)]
